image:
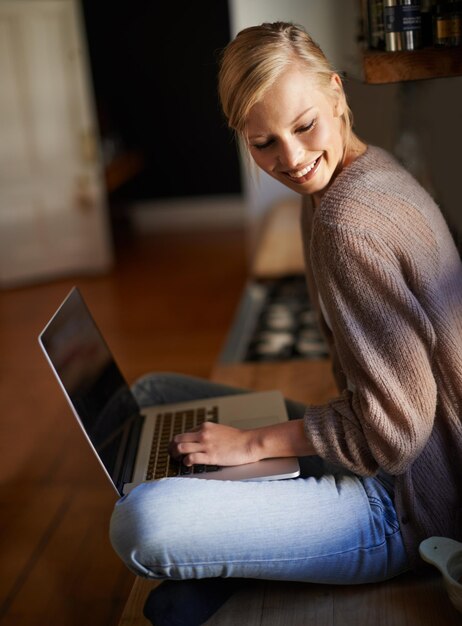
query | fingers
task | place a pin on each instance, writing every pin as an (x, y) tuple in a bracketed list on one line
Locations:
[(192, 447), (183, 445), (191, 435), (183, 449), (199, 458), (198, 435), (212, 444), (191, 454)]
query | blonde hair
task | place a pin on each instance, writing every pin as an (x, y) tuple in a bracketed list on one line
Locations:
[(257, 56)]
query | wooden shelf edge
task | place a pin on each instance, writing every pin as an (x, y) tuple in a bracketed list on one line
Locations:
[(427, 63)]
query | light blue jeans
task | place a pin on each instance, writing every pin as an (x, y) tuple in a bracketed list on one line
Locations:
[(328, 526)]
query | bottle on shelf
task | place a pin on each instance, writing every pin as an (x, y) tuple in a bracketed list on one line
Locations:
[(447, 23), (394, 25), (376, 31), (403, 24)]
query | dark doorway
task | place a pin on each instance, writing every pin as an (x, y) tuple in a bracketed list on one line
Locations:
[(154, 68)]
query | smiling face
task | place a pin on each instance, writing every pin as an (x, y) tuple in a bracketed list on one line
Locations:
[(295, 131)]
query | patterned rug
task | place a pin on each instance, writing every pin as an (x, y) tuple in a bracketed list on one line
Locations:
[(286, 326), (275, 321)]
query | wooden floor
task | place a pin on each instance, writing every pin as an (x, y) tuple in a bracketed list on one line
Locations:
[(167, 305)]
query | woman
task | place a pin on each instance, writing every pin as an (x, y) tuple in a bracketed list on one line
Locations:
[(384, 458)]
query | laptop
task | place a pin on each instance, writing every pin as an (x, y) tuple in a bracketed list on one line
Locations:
[(131, 443)]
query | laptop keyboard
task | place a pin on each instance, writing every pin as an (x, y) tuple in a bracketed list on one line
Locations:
[(168, 425)]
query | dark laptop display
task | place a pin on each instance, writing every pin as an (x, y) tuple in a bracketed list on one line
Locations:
[(94, 385)]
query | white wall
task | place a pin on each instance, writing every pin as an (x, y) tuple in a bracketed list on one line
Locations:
[(330, 22), (421, 121)]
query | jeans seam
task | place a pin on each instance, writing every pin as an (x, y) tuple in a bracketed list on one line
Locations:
[(277, 560), (373, 501)]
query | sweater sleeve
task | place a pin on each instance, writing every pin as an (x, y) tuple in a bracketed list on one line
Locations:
[(385, 342)]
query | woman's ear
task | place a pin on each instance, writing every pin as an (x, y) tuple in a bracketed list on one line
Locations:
[(338, 95)]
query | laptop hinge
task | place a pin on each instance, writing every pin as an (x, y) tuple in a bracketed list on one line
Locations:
[(126, 462)]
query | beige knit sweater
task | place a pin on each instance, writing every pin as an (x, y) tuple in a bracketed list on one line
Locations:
[(389, 277)]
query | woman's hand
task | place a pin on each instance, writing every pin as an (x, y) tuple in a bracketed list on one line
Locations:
[(214, 444), (218, 444)]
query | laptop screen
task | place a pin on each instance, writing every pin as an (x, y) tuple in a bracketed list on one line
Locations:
[(94, 385)]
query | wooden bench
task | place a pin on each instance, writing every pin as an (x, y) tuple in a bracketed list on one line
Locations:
[(408, 600)]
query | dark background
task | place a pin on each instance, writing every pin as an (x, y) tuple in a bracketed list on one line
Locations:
[(154, 67)]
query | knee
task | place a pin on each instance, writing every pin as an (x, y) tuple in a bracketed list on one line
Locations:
[(141, 529), (129, 532), (163, 388), (153, 387)]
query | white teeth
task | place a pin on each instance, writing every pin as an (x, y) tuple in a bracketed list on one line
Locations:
[(304, 171)]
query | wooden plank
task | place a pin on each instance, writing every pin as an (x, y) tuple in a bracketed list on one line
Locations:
[(62, 585), (309, 381), (244, 607), (280, 250), (28, 519), (404, 601), (297, 604), (133, 611), (392, 67)]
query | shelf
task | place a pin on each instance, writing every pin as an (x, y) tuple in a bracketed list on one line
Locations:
[(393, 67)]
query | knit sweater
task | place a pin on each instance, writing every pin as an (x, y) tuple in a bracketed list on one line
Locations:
[(384, 266)]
